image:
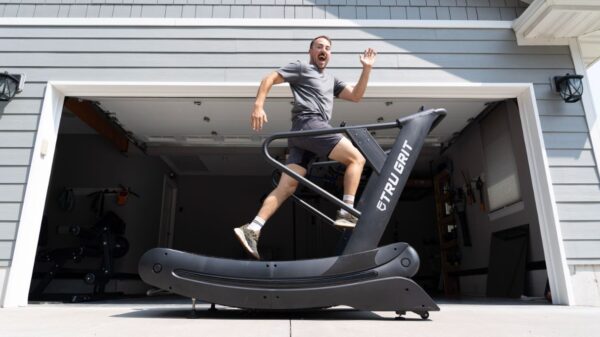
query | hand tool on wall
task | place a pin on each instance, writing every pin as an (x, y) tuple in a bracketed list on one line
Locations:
[(479, 185), (469, 189), (460, 211)]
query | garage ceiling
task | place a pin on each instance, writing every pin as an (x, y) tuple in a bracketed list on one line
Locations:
[(213, 135), (226, 121)]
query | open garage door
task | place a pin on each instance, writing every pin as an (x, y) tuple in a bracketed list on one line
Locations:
[(199, 184), (204, 148)]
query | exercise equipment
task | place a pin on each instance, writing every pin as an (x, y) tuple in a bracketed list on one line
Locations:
[(365, 276), (104, 241)]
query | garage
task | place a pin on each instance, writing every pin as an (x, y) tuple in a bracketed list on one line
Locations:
[(193, 170)]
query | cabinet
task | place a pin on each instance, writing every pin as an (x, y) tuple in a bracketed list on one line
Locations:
[(447, 232)]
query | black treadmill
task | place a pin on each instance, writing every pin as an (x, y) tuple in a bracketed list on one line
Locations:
[(365, 276)]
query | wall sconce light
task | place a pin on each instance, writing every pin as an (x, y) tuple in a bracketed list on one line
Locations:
[(10, 85), (570, 87)]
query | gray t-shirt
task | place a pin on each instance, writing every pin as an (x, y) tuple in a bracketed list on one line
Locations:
[(313, 91)]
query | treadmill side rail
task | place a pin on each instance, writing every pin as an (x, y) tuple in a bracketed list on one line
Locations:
[(382, 285)]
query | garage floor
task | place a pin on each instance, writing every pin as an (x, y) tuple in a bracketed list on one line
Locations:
[(151, 317)]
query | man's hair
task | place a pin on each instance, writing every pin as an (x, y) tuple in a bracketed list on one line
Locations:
[(319, 37)]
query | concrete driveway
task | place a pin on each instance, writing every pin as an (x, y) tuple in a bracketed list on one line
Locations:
[(172, 317)]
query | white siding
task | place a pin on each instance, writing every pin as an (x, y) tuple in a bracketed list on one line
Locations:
[(308, 9), (246, 53)]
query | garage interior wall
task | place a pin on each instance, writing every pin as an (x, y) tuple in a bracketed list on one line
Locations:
[(210, 205), (467, 157), (204, 53)]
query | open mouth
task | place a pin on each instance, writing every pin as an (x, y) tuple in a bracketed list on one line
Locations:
[(322, 57)]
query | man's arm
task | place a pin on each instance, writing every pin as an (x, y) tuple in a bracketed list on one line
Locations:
[(355, 93), (258, 117)]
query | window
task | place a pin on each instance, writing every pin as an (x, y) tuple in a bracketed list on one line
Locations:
[(501, 175)]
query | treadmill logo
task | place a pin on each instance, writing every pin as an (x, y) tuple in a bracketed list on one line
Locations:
[(394, 178)]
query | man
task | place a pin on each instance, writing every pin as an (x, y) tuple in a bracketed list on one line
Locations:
[(313, 91)]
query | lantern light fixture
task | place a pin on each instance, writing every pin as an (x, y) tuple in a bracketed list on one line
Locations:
[(10, 85), (570, 87)]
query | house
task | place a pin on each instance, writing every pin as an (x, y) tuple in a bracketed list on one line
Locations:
[(177, 79)]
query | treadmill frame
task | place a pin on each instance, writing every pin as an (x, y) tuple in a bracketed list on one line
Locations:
[(365, 276)]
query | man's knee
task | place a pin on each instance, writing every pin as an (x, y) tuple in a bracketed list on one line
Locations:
[(355, 158), (289, 186), (360, 159)]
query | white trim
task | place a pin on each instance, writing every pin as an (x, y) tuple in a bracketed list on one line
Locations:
[(531, 17), (545, 201), (19, 274), (591, 114), (183, 22), (33, 206), (532, 13), (248, 89), (539, 10)]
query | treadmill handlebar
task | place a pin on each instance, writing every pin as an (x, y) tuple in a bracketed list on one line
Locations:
[(379, 126), (303, 203)]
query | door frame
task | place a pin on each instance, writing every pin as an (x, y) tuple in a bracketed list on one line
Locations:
[(20, 271)]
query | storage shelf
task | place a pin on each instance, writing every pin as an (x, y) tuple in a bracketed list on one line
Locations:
[(441, 184)]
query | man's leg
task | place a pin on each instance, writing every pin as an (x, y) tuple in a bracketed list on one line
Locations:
[(285, 188), (345, 153), (248, 234)]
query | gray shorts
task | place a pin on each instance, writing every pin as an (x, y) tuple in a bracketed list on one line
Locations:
[(304, 149)]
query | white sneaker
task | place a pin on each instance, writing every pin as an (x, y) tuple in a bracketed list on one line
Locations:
[(248, 238), (346, 220)]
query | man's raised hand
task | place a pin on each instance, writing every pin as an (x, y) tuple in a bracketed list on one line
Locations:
[(368, 57)]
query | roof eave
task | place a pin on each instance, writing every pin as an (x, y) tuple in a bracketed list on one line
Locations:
[(557, 22)]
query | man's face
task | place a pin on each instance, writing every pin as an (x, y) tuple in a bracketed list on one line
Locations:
[(320, 53)]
